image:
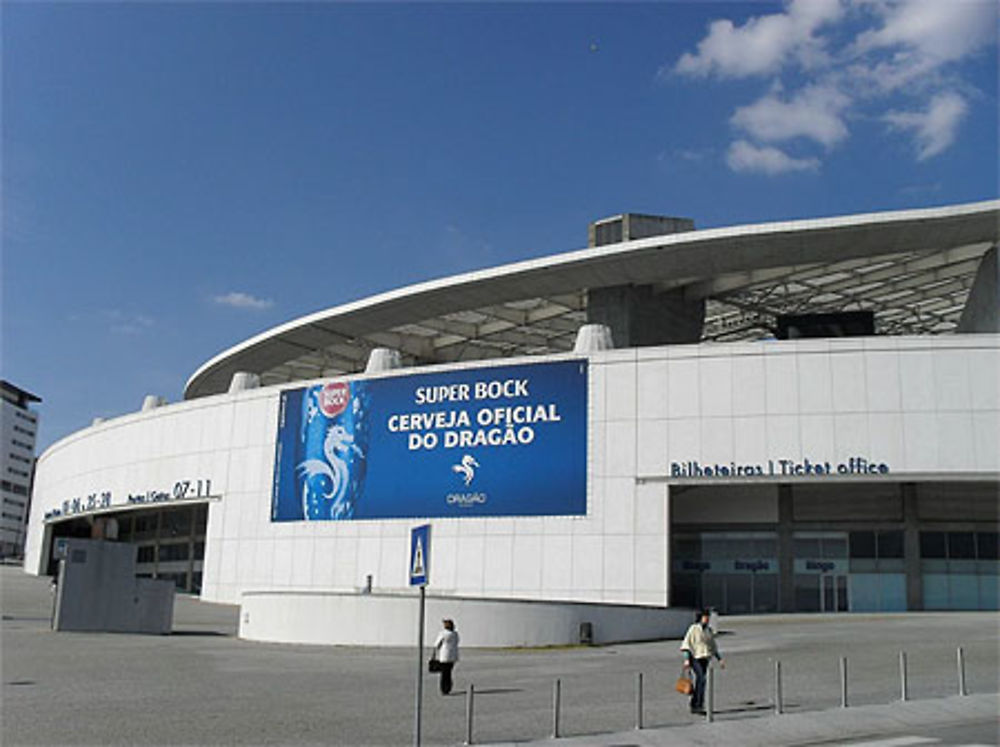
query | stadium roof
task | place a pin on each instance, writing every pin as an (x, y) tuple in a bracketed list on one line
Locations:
[(912, 268)]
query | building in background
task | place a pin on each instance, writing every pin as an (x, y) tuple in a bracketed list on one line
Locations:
[(796, 416), (20, 429)]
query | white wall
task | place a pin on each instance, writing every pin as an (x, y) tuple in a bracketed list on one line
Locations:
[(925, 406), (388, 620)]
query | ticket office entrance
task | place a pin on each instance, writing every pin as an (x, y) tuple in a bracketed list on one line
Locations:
[(834, 571), (738, 573), (733, 572), (848, 547)]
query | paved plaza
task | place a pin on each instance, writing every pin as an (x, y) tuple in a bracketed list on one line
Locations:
[(202, 685)]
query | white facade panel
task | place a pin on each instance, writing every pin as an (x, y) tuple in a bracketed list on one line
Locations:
[(715, 377)]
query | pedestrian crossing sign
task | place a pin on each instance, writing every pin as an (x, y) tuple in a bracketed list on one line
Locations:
[(420, 555)]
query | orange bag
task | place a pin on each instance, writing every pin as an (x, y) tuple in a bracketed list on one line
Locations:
[(684, 684)]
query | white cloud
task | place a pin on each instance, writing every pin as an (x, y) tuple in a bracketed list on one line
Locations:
[(814, 113), (942, 30), (917, 39), (933, 129), (746, 157), (238, 300), (843, 61), (116, 321), (764, 43)]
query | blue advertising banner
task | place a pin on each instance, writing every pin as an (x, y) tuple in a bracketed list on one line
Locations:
[(498, 441)]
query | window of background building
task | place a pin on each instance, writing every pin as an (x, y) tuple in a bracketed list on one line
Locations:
[(145, 526), (174, 551), (176, 522)]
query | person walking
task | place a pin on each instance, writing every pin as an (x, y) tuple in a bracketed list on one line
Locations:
[(446, 652), (698, 648)]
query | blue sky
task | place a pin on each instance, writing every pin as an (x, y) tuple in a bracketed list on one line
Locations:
[(178, 177)]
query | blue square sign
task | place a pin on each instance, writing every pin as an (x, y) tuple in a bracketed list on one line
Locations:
[(420, 555)]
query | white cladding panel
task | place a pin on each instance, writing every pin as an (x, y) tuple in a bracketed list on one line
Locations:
[(923, 406)]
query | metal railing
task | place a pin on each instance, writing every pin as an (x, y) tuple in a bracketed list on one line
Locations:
[(776, 705)]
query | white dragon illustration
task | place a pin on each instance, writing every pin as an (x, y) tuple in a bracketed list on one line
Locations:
[(467, 469), (336, 447)]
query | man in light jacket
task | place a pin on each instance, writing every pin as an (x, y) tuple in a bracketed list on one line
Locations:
[(698, 648), (446, 652)]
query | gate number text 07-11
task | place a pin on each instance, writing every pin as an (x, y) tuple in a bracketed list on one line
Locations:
[(192, 488)]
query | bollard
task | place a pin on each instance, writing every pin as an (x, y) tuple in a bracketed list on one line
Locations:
[(778, 704), (556, 688), (469, 698), (638, 701), (710, 694), (961, 672), (843, 682), (903, 693)]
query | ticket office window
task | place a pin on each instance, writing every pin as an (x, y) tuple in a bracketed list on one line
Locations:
[(960, 570), (821, 592), (734, 572), (874, 551), (820, 563)]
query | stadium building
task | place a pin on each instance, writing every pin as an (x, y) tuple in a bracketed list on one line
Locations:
[(799, 416)]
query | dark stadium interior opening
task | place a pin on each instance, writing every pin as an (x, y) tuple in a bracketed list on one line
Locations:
[(169, 542)]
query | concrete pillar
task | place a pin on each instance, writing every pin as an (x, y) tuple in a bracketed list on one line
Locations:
[(152, 401), (383, 359), (593, 337), (786, 551), (639, 316), (911, 549), (242, 381), (982, 308)]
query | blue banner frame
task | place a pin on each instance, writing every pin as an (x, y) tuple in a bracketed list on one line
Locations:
[(489, 441)]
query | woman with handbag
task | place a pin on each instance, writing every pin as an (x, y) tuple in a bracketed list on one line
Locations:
[(698, 648), (446, 654)]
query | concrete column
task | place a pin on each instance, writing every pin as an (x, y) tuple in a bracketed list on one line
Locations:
[(152, 401), (242, 381), (786, 555), (383, 359), (640, 316), (911, 549), (593, 337), (982, 308)]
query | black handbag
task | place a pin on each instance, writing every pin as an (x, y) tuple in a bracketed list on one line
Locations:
[(433, 665)]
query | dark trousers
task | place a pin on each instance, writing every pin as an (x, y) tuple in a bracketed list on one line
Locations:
[(446, 667), (700, 669)]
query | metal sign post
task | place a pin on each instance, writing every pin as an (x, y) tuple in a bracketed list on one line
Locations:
[(420, 555)]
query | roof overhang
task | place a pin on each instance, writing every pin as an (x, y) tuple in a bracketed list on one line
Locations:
[(913, 268)]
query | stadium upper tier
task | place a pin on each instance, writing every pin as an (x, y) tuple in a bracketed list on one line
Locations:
[(913, 269)]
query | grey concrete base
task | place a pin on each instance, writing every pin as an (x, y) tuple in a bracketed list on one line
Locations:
[(98, 591), (382, 619), (834, 726)]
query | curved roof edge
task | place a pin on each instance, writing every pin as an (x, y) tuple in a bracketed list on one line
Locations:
[(544, 268)]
